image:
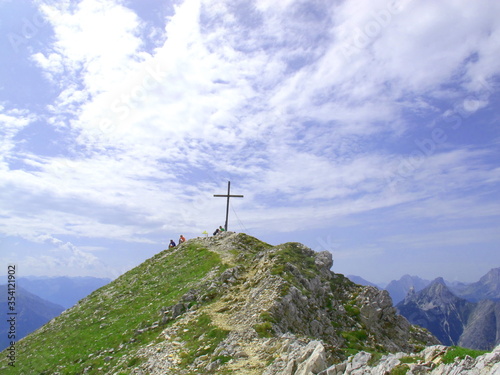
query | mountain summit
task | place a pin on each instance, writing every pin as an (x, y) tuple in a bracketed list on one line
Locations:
[(439, 310), (228, 304)]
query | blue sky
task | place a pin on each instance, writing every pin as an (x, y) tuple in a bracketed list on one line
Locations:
[(366, 128)]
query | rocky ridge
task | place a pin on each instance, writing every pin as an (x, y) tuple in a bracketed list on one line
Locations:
[(284, 312), (228, 304)]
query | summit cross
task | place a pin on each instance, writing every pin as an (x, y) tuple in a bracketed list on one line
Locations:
[(228, 195)]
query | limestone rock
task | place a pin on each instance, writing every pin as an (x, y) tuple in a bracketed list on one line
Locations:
[(428, 362), (314, 362)]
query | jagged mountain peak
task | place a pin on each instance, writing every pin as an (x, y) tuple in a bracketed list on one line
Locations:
[(221, 304), (438, 280), (436, 293), (428, 296), (492, 278), (488, 287), (436, 308)]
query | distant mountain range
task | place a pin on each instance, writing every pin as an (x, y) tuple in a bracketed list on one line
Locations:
[(31, 313), (461, 314), (488, 287), (64, 290), (454, 320)]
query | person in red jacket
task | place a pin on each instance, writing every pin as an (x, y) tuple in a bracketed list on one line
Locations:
[(182, 239)]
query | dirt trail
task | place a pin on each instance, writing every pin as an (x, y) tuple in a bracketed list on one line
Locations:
[(240, 310), (233, 314), (251, 362)]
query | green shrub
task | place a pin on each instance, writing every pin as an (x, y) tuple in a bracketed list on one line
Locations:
[(355, 339)]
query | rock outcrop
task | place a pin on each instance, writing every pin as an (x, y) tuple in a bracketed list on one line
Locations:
[(431, 361)]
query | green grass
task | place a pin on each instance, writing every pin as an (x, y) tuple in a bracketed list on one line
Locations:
[(201, 338), (355, 336), (266, 316), (252, 244), (355, 340), (105, 324), (375, 359), (411, 359), (399, 370), (352, 310), (457, 351), (292, 253), (247, 247), (264, 329)]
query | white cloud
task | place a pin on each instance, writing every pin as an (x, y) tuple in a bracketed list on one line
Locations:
[(303, 103), (12, 121), (96, 45), (96, 36)]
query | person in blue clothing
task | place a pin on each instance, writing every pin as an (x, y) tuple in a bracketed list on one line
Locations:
[(171, 244)]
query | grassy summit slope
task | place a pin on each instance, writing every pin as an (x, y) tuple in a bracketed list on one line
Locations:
[(115, 320), (228, 304)]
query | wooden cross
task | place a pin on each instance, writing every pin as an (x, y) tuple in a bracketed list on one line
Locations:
[(228, 195)]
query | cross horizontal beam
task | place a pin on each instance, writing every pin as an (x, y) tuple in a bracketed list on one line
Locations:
[(228, 195)]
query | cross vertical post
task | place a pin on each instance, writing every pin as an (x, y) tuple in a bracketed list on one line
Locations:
[(228, 195)]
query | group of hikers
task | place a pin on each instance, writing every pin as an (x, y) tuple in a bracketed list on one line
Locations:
[(219, 230), (183, 239)]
